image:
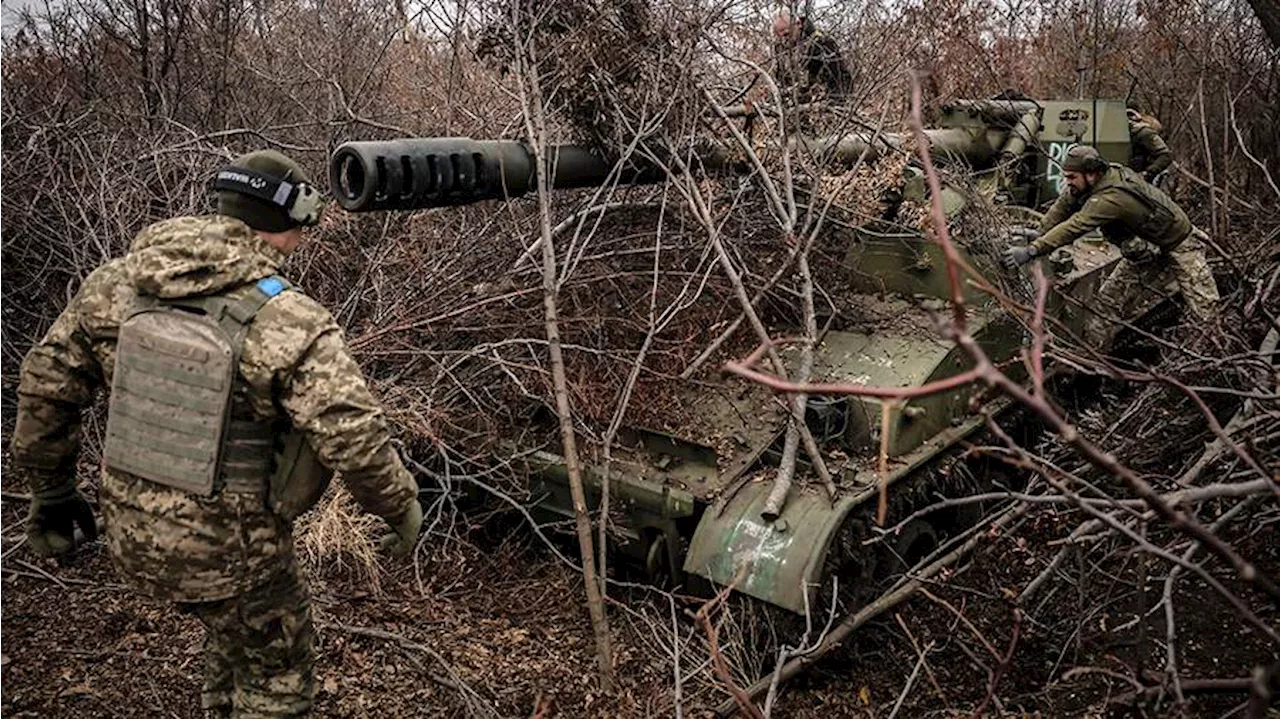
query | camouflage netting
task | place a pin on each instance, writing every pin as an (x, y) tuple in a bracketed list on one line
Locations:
[(615, 70)]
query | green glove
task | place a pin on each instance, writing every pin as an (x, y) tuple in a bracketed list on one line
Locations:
[(53, 518), (406, 528)]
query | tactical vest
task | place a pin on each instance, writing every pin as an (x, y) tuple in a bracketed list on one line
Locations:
[(1140, 159), (1160, 224), (171, 418)]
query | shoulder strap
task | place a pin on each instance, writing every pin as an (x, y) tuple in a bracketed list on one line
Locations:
[(142, 303), (1126, 186), (233, 314), (243, 310), (239, 313)]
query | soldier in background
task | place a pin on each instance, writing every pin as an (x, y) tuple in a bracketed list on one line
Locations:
[(1151, 156), (805, 57), (1151, 230), (210, 450)]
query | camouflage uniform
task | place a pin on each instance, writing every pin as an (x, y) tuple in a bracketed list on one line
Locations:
[(815, 60), (1151, 156), (229, 559), (259, 641), (1152, 251)]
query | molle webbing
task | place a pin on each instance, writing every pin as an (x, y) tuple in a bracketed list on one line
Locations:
[(173, 392)]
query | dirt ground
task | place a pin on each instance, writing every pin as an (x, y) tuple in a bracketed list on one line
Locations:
[(499, 623)]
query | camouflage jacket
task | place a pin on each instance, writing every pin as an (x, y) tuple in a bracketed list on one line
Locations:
[(294, 371), (814, 61), (1122, 206), (1151, 155)]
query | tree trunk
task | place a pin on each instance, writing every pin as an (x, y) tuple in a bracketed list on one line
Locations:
[(531, 94)]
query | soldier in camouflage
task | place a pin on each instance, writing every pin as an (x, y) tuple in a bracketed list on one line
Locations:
[(228, 558), (1153, 234), (1151, 156), (805, 58)]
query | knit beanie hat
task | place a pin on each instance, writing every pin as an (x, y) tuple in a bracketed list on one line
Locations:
[(256, 213)]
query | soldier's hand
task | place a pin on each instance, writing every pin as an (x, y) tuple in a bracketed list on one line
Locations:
[(1138, 251), (53, 518), (1027, 233), (1015, 257), (406, 526)]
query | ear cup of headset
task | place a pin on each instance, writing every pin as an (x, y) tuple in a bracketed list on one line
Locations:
[(302, 202), (307, 205)]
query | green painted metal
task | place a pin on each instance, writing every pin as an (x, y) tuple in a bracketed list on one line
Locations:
[(906, 357), (664, 479), (412, 173), (916, 189), (975, 144), (888, 261), (735, 423), (630, 490), (1100, 123), (773, 561), (1023, 135)]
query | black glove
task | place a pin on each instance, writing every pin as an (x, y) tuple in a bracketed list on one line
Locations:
[(1015, 257), (1027, 233), (1138, 251), (53, 518)]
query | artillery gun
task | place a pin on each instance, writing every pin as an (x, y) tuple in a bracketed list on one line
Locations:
[(690, 506)]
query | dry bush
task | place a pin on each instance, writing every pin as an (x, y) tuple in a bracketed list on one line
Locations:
[(336, 540), (114, 113), (606, 64)]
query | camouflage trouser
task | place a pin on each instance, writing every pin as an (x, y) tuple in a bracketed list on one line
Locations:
[(257, 651), (1122, 289)]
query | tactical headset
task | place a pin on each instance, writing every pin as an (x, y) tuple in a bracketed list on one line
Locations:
[(303, 202), (1092, 163)]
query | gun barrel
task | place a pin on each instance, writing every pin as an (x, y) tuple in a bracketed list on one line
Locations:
[(1022, 135), (1007, 110), (422, 172), (976, 145), (415, 173)]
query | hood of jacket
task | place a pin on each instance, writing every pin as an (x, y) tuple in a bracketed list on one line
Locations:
[(194, 256)]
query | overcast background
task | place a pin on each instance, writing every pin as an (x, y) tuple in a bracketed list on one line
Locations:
[(9, 10)]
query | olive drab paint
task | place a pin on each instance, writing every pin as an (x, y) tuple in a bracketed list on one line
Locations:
[(1121, 205), (707, 475), (1063, 124)]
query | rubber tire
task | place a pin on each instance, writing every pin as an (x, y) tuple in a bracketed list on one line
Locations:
[(913, 543)]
